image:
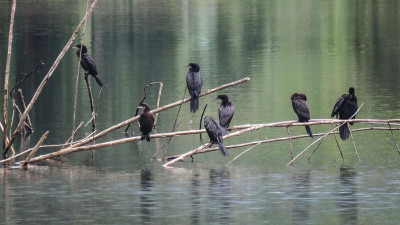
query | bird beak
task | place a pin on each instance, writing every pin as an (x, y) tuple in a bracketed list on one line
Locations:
[(75, 47), (140, 107)]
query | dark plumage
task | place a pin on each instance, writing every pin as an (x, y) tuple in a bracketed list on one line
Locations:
[(87, 63), (146, 121), (345, 107), (226, 111), (300, 107), (215, 133), (194, 83)]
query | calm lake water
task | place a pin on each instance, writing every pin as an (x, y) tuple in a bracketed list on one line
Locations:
[(320, 48)]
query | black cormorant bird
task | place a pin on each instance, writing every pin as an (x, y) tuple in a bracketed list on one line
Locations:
[(194, 83), (146, 121), (215, 133), (300, 107), (226, 111), (345, 107), (87, 63)]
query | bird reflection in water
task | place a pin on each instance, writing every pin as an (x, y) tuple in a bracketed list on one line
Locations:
[(346, 199), (219, 209), (146, 201), (195, 197)]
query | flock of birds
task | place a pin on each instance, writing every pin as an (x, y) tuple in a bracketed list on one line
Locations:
[(345, 107)]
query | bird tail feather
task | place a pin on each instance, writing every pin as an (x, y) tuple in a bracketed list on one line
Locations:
[(308, 129), (99, 82), (222, 149), (194, 104), (344, 131)]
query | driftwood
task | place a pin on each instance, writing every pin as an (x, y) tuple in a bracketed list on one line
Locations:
[(34, 150), (7, 78), (46, 78), (133, 119), (202, 149), (205, 150)]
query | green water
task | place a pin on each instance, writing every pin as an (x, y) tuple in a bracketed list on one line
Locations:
[(319, 48)]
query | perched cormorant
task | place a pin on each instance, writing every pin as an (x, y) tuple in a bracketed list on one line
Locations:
[(87, 63), (226, 111), (194, 83), (300, 107), (345, 107), (215, 133), (146, 121)]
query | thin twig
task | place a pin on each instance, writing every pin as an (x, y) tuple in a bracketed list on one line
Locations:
[(28, 118), (158, 102), (394, 139), (165, 141), (201, 120), (144, 98), (7, 78), (70, 139), (77, 82), (93, 119), (34, 150), (290, 143), (352, 140), (315, 149), (242, 154), (47, 77), (337, 143), (174, 126)]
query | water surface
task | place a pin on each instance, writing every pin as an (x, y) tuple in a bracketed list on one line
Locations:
[(320, 48)]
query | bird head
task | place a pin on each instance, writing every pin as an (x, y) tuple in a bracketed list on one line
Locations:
[(79, 47), (143, 106), (352, 91), (224, 98), (194, 67)]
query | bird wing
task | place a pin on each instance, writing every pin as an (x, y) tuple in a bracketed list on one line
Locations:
[(194, 83), (338, 105), (302, 110), (146, 122), (348, 108), (213, 129), (226, 114), (88, 64)]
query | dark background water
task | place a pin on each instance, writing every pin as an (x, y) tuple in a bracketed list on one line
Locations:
[(316, 47)]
